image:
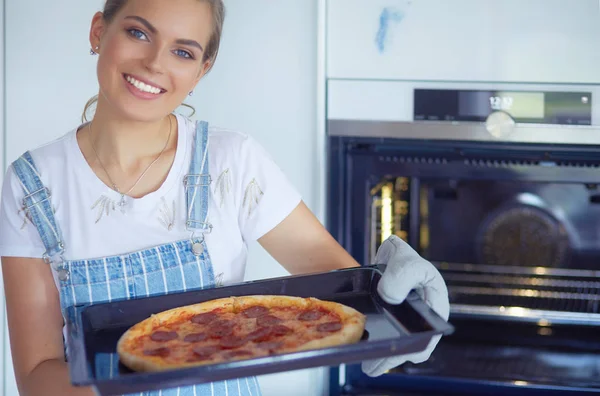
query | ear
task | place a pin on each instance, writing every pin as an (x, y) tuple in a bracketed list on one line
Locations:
[(206, 66), (97, 29)]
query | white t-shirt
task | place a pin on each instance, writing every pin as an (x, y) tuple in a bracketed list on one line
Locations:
[(249, 196)]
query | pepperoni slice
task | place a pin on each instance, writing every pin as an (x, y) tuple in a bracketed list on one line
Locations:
[(162, 352), (163, 336), (260, 334), (195, 337), (219, 332), (310, 315), (270, 345), (237, 353), (205, 352), (204, 318), (329, 327), (255, 311), (267, 320), (232, 342), (220, 329), (280, 330), (222, 323)]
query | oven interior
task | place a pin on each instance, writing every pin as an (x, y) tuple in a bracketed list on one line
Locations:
[(504, 245), (517, 239)]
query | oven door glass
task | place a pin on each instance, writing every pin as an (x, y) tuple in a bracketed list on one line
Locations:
[(516, 240), (502, 245)]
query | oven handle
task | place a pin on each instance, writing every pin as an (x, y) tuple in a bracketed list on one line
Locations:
[(437, 323)]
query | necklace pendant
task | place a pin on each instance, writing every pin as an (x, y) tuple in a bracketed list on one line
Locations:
[(122, 203)]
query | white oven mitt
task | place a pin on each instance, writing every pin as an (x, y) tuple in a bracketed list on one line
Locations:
[(407, 270)]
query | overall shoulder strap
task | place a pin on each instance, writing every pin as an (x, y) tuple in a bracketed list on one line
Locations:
[(197, 182), (38, 207)]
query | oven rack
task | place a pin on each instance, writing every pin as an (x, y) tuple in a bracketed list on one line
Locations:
[(517, 365), (531, 294)]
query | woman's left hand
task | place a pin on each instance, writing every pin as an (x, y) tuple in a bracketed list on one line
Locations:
[(407, 270), (302, 245)]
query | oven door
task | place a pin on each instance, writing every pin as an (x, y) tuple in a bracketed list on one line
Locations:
[(515, 234)]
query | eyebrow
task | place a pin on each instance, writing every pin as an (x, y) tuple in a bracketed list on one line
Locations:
[(153, 30)]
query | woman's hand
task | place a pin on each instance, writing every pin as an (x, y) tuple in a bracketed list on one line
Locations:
[(35, 328), (302, 245), (405, 271)]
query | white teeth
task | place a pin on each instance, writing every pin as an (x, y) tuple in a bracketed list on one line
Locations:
[(142, 86)]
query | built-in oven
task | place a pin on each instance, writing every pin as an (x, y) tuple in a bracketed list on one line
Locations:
[(500, 190), (471, 129)]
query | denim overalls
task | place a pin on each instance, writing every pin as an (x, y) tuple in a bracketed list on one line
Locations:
[(173, 267)]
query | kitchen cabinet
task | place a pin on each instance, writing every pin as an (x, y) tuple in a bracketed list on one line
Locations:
[(464, 40)]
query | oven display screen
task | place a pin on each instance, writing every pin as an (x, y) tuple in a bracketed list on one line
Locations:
[(517, 104), (569, 108)]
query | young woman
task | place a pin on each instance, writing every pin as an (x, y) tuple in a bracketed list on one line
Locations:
[(141, 201)]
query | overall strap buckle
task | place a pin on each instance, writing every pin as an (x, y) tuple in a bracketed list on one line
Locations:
[(57, 262), (29, 201), (202, 180), (202, 226)]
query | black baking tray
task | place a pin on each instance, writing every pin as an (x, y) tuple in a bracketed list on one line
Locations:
[(93, 331)]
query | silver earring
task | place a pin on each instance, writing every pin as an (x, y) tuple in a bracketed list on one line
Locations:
[(93, 51), (191, 93)]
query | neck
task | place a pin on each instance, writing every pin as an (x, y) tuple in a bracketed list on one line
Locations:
[(123, 143)]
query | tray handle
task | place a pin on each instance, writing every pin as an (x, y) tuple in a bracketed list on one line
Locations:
[(437, 323), (435, 320)]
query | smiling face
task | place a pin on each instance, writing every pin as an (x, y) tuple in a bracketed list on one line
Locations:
[(152, 54)]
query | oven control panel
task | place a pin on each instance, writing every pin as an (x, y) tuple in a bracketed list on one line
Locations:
[(535, 107)]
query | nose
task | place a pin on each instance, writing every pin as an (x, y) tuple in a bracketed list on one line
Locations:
[(153, 60)]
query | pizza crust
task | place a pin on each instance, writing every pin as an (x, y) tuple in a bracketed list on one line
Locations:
[(142, 364), (353, 325), (270, 301)]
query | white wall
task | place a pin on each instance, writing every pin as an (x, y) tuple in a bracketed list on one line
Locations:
[(264, 83), (3, 333)]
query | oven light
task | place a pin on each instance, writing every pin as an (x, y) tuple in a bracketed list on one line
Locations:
[(521, 383), (543, 323), (386, 212), (540, 271), (517, 311)]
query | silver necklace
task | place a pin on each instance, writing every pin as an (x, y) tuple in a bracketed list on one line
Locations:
[(122, 201)]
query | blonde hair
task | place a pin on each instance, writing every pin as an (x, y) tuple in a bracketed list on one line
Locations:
[(112, 8)]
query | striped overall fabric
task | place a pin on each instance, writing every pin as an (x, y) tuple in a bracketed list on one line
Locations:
[(168, 268)]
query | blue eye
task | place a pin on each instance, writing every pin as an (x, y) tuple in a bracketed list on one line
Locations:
[(138, 34), (183, 54)]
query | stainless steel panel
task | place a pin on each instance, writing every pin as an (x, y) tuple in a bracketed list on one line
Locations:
[(467, 131)]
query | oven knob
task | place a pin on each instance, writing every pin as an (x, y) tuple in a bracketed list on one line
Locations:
[(500, 124)]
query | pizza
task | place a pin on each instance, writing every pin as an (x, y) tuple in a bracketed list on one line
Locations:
[(236, 328)]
